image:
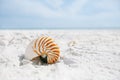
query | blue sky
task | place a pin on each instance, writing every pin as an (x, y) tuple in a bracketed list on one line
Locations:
[(44, 14)]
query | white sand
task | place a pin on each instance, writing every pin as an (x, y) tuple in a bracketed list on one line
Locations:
[(85, 55)]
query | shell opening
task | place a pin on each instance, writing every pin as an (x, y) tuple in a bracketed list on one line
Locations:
[(43, 59)]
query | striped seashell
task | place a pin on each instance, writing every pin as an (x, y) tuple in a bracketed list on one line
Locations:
[(44, 48)]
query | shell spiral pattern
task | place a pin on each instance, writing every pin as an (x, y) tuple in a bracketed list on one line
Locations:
[(46, 49)]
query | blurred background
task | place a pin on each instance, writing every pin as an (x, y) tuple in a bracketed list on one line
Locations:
[(59, 14)]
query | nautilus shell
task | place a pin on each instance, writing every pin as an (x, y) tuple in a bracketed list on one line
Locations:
[(45, 48)]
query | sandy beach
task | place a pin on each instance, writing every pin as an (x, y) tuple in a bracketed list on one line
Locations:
[(84, 55)]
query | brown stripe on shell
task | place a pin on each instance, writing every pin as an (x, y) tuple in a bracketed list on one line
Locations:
[(39, 44), (47, 41), (42, 44)]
